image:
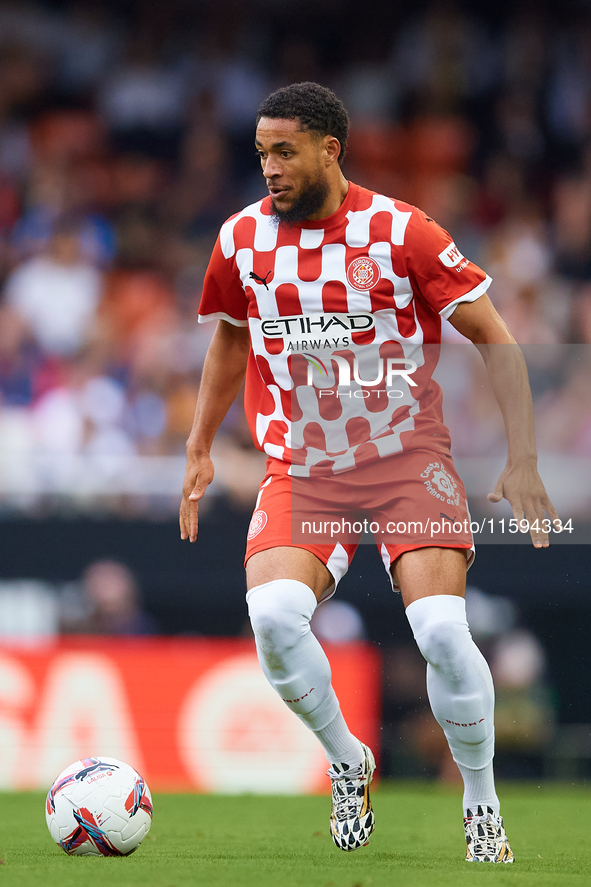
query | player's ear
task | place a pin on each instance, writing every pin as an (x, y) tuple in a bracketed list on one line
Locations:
[(332, 148)]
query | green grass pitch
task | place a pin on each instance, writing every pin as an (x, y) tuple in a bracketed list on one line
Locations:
[(252, 841)]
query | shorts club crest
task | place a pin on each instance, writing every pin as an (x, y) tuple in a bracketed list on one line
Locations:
[(258, 522)]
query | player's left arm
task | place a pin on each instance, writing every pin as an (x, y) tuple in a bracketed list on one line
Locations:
[(520, 482)]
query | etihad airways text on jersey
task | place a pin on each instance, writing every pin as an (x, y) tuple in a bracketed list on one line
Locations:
[(293, 329)]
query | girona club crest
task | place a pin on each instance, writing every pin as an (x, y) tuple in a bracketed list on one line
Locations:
[(363, 273), (258, 522)]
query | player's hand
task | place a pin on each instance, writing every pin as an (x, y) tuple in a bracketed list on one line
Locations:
[(198, 476), (522, 486)]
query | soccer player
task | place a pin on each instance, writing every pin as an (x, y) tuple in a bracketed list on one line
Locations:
[(320, 280)]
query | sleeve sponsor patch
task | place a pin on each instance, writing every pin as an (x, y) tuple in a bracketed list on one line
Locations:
[(451, 256)]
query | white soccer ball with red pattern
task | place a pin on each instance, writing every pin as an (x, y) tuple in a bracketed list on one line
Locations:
[(99, 807)]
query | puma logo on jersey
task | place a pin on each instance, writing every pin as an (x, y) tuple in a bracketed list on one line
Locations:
[(258, 279)]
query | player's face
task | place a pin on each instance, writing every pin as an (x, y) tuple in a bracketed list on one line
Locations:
[(292, 162)]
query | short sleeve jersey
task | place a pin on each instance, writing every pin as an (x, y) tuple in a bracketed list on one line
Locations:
[(344, 316)]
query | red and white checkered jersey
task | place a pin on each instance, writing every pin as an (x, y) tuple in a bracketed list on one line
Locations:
[(344, 316)]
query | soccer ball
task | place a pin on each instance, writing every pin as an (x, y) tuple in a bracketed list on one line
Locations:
[(99, 807)]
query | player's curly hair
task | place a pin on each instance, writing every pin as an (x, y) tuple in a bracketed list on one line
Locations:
[(315, 106)]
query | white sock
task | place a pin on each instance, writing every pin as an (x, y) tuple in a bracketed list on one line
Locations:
[(479, 789), (296, 665), (339, 744), (460, 690)]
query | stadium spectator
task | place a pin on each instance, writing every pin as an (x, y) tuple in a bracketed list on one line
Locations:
[(143, 100), (57, 293), (108, 602)]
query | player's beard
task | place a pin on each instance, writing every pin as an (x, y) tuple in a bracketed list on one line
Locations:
[(313, 195)]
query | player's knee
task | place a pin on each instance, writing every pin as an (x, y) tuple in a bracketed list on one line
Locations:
[(280, 613), (444, 643), (277, 629), (441, 631)]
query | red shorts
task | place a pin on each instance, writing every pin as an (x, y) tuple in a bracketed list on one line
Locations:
[(411, 500)]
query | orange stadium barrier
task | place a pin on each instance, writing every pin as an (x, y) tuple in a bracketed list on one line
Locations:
[(189, 714)]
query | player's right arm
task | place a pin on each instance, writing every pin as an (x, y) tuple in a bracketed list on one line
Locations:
[(223, 372), (223, 299)]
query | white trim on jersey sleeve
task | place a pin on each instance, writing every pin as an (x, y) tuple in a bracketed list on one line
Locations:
[(221, 315), (474, 294)]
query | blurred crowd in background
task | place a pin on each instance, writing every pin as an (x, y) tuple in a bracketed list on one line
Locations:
[(126, 135), (126, 139)]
